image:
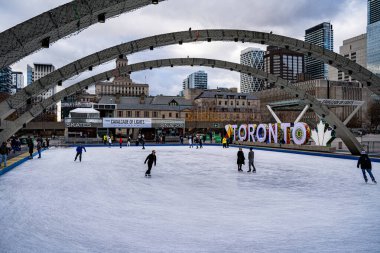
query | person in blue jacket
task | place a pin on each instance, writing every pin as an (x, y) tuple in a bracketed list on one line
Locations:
[(80, 149)]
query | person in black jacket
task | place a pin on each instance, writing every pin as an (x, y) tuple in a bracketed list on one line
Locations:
[(151, 158), (365, 164), (240, 159), (3, 154), (30, 143)]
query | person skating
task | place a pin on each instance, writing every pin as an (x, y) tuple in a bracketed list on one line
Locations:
[(3, 154), (200, 143), (251, 156), (79, 150), (224, 142), (129, 141), (39, 147), (121, 142), (151, 158), (109, 141), (47, 142), (365, 164), (30, 143), (240, 159), (190, 141), (143, 142)]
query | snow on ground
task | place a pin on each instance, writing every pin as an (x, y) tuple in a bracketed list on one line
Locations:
[(196, 201)]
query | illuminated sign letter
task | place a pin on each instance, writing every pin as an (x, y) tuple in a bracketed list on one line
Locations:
[(242, 128), (299, 133), (251, 132), (273, 133), (261, 133), (234, 130), (284, 127)]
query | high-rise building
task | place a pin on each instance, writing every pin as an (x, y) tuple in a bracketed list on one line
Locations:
[(197, 80), (320, 35), (17, 80), (36, 72), (284, 63), (354, 49), (373, 36), (253, 57), (6, 80)]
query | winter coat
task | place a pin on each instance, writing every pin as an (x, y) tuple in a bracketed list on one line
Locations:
[(240, 157), (4, 150), (251, 156), (364, 162), (38, 145), (80, 148), (224, 141), (121, 140), (151, 159)]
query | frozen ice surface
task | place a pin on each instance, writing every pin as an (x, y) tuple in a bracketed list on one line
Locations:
[(196, 201)]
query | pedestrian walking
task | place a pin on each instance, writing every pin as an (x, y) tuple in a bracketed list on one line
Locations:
[(4, 154), (39, 147), (240, 159), (151, 158), (121, 142), (365, 164), (224, 142), (79, 150), (47, 142), (251, 157)]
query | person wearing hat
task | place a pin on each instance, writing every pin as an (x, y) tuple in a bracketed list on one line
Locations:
[(151, 158), (365, 164)]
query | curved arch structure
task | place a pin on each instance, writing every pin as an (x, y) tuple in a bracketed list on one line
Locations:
[(319, 108), (346, 65), (25, 38)]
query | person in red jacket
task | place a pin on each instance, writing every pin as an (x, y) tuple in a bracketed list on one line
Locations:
[(121, 142)]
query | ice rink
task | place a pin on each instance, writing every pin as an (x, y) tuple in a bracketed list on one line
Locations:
[(196, 201)]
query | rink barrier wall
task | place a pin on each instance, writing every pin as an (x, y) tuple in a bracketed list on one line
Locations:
[(15, 164), (291, 151)]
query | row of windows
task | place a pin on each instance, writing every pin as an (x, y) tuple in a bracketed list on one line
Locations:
[(145, 114)]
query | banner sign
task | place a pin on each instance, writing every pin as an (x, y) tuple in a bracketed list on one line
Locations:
[(299, 133), (127, 122)]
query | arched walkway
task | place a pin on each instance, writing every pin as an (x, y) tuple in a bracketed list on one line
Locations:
[(341, 130), (50, 26), (346, 65)]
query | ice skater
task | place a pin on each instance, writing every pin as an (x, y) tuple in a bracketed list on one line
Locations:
[(79, 150), (365, 164), (121, 142), (190, 141), (129, 141), (151, 158), (4, 154), (224, 142), (240, 159), (39, 147), (109, 141), (251, 157), (30, 146), (143, 142)]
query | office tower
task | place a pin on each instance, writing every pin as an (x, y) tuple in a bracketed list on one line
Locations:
[(253, 57), (320, 35), (373, 36), (355, 49), (36, 72), (17, 80), (196, 80), (284, 63), (6, 80)]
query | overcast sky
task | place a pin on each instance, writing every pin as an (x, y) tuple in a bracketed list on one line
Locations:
[(289, 18)]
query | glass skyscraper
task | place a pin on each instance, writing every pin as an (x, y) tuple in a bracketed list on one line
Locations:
[(6, 80), (253, 57), (320, 35), (197, 80), (373, 36)]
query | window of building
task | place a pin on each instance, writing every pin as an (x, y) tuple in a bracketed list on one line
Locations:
[(155, 114), (146, 114), (225, 102), (120, 114), (186, 115), (137, 114), (237, 102), (220, 102), (129, 114), (170, 114), (163, 116), (232, 102), (177, 115)]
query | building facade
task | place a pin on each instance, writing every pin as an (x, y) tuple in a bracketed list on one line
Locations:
[(354, 49), (320, 35), (36, 72), (253, 57), (196, 80), (373, 36), (218, 108), (18, 80), (284, 63), (122, 84), (6, 80)]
